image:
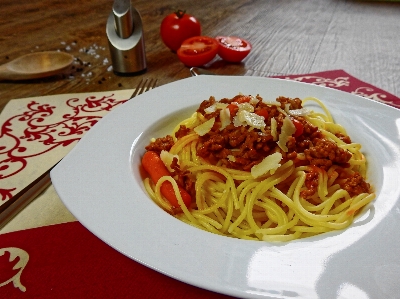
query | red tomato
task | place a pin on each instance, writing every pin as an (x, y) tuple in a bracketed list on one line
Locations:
[(198, 50), (232, 48), (299, 127), (178, 26), (262, 112), (233, 109)]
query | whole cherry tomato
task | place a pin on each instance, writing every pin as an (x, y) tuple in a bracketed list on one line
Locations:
[(232, 48), (178, 26), (198, 50)]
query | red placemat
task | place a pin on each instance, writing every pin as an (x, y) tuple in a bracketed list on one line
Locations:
[(339, 79), (67, 261)]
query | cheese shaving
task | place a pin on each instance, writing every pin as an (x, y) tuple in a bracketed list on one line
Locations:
[(253, 100), (274, 129), (221, 105), (275, 103), (244, 117), (225, 117), (269, 163), (210, 109), (205, 127), (287, 130), (281, 110), (299, 112), (214, 107), (167, 159), (245, 107)]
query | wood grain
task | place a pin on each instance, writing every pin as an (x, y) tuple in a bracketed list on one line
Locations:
[(288, 37)]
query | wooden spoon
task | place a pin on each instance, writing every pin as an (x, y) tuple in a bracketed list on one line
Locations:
[(36, 65)]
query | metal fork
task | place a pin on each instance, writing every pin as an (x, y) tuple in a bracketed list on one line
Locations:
[(20, 200), (143, 86)]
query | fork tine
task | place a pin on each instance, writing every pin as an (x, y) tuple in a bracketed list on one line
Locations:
[(149, 84), (152, 84), (138, 88), (143, 86)]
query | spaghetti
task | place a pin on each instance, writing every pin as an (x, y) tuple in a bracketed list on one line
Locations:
[(272, 171)]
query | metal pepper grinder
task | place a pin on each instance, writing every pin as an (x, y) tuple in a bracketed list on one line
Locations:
[(126, 41)]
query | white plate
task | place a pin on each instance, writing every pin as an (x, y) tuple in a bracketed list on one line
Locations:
[(100, 183)]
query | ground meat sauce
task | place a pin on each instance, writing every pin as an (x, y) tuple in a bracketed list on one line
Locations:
[(183, 178), (163, 143), (242, 147), (182, 131)]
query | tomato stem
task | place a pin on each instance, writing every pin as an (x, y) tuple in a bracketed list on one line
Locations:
[(180, 13)]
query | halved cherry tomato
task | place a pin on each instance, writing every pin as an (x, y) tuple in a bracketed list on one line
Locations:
[(262, 112), (198, 50), (178, 26), (233, 109), (232, 48), (299, 127)]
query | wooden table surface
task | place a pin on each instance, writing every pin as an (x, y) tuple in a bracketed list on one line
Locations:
[(288, 37)]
